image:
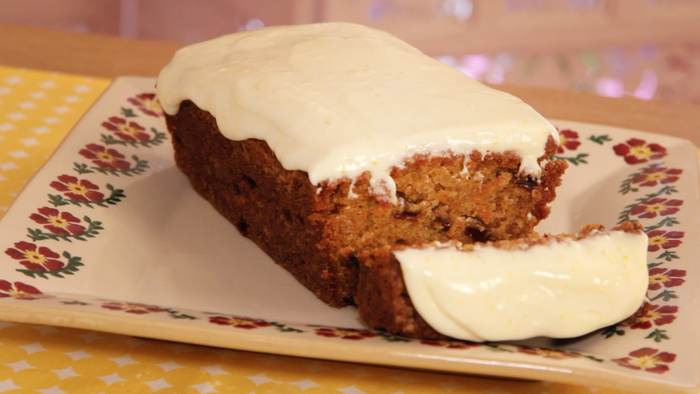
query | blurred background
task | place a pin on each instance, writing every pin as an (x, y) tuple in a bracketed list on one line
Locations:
[(648, 49)]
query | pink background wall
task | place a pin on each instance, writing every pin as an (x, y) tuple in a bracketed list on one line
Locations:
[(649, 49)]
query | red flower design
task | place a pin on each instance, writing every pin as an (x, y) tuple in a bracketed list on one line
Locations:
[(647, 359), (131, 307), (662, 206), (20, 291), (239, 322), (637, 151), (344, 333), (41, 259), (664, 277), (547, 353), (81, 190), (57, 222), (653, 176), (147, 103), (131, 131), (451, 344), (656, 315), (664, 239), (568, 139), (109, 159)]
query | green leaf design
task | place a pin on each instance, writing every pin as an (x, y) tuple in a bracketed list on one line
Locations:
[(579, 159), (497, 347), (625, 215), (175, 314), (138, 169), (283, 327), (128, 113), (57, 200), (667, 221), (600, 139), (392, 338), (626, 185), (668, 255), (90, 232), (114, 198), (158, 138), (74, 302), (665, 295), (658, 335), (652, 265), (82, 168), (69, 269), (611, 331)]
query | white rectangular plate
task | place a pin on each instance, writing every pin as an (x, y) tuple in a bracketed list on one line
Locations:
[(109, 236)]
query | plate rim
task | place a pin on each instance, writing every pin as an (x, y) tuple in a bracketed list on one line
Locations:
[(332, 350)]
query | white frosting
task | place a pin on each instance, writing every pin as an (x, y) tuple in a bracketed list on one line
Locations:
[(338, 99), (558, 290)]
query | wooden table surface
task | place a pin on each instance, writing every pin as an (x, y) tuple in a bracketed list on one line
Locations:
[(108, 56)]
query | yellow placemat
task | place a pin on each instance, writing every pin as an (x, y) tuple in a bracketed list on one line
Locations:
[(37, 359), (37, 109)]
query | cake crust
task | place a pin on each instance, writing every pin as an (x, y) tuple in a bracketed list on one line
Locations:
[(316, 232)]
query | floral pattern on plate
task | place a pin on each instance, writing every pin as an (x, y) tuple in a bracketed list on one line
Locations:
[(99, 199)]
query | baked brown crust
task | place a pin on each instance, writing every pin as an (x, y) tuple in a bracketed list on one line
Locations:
[(317, 233)]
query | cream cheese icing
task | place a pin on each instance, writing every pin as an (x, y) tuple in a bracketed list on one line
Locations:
[(338, 99), (558, 290)]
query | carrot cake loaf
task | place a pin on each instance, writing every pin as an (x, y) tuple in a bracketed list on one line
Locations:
[(320, 142)]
